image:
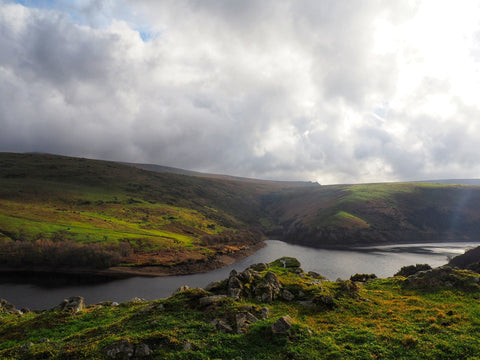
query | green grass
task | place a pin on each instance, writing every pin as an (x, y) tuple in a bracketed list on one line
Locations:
[(382, 319)]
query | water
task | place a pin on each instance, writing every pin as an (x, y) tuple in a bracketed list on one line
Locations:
[(383, 261)]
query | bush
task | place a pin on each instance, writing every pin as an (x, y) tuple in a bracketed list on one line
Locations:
[(412, 269)]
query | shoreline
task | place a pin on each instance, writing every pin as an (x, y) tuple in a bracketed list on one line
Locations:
[(121, 272)]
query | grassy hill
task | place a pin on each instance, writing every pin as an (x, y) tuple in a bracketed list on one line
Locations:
[(275, 313), (60, 211)]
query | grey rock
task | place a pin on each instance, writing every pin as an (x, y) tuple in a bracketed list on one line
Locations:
[(208, 300), (258, 267), (234, 283), (7, 307), (122, 349), (222, 326), (181, 289), (187, 346), (74, 304), (287, 295), (265, 311), (142, 350), (114, 304), (282, 325), (233, 273), (243, 320), (234, 293), (214, 285)]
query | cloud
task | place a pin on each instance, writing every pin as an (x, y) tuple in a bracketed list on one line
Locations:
[(329, 90)]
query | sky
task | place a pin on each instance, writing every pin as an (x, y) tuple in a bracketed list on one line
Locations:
[(334, 91)]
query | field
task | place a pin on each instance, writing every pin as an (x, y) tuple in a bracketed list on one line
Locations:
[(436, 316), (99, 214)]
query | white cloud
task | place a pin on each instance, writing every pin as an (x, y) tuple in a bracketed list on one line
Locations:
[(332, 90)]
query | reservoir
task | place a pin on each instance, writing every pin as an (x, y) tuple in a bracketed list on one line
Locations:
[(384, 261)]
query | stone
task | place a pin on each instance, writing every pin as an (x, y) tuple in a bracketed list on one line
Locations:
[(209, 300), (243, 320), (215, 285), (122, 349), (287, 295), (7, 307), (74, 304), (187, 346), (234, 283), (222, 326), (246, 276), (142, 350), (181, 289), (114, 304), (273, 282), (233, 273), (286, 262), (265, 311), (258, 267), (282, 325), (315, 275), (234, 293)]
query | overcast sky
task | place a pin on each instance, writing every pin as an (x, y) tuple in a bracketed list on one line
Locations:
[(330, 91)]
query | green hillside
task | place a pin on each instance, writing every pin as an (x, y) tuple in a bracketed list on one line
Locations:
[(264, 312), (60, 211)]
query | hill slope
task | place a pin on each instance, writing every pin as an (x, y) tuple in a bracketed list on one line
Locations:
[(68, 212), (264, 312)]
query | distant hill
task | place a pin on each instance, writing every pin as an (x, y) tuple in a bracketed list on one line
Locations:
[(151, 215), (454, 181)]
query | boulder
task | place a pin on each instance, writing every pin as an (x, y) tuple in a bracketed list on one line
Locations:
[(287, 295), (258, 267), (209, 300), (222, 326), (215, 285), (8, 308), (282, 325), (181, 289), (142, 350), (243, 320), (122, 349), (286, 262), (73, 304)]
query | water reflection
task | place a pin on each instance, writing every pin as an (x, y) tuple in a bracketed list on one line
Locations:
[(383, 261)]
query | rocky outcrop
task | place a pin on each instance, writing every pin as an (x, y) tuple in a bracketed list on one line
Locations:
[(8, 308), (282, 325), (73, 304), (444, 277), (124, 349)]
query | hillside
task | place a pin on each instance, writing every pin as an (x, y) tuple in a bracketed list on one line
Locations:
[(268, 311), (61, 212)]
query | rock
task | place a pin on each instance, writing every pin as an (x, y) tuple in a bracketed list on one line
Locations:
[(26, 347), (114, 304), (122, 349), (273, 282), (362, 277), (187, 346), (246, 276), (44, 340), (287, 295), (265, 312), (258, 267), (286, 262), (315, 275), (215, 285), (222, 326), (8, 307), (181, 289), (307, 303), (74, 304), (233, 273), (234, 293), (325, 300), (234, 283), (282, 325), (137, 299), (243, 320), (209, 300), (142, 350)]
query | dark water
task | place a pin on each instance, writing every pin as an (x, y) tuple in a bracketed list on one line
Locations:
[(384, 261)]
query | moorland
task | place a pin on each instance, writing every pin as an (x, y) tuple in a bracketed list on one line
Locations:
[(76, 214)]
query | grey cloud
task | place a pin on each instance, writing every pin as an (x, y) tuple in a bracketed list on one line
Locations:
[(268, 89)]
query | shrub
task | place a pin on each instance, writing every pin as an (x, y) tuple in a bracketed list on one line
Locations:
[(412, 269)]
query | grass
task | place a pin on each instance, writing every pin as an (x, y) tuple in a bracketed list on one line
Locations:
[(383, 318)]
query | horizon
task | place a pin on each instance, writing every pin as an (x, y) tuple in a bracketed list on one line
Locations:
[(320, 91)]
